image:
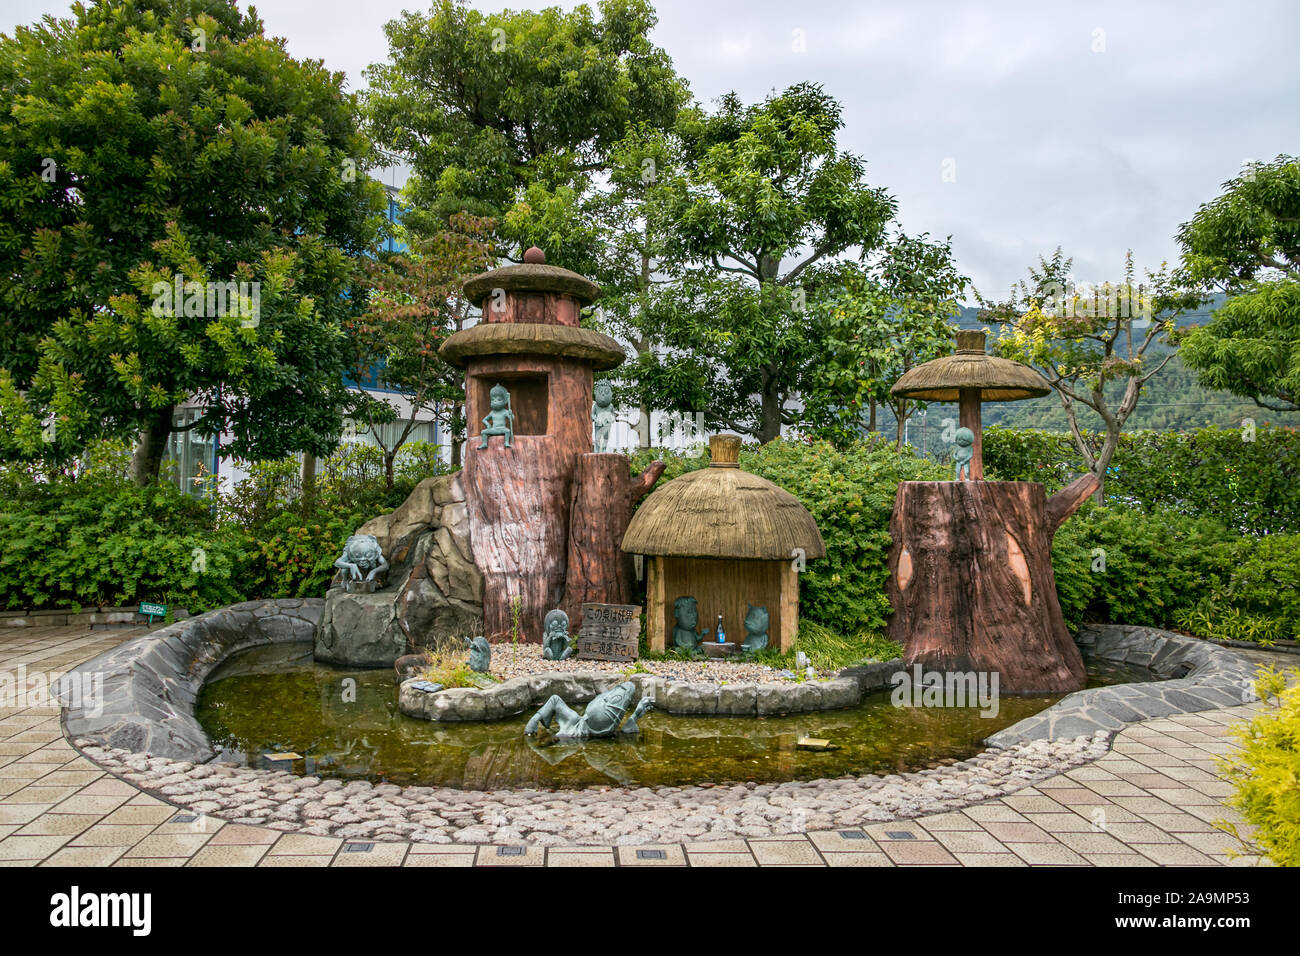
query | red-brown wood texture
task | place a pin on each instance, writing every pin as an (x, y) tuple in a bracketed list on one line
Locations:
[(972, 586), (544, 307), (604, 496), (722, 586), (518, 498), (968, 410)]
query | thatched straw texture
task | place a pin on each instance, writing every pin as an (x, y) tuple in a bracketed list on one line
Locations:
[(723, 512), (532, 338), (998, 379), (531, 277)]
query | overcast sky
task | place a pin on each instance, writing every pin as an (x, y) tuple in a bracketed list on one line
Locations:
[(1014, 127)]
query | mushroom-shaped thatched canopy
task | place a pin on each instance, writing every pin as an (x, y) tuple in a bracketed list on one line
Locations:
[(723, 512), (968, 377)]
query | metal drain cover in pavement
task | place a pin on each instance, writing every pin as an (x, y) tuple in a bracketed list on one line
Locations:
[(852, 835), (358, 847), (185, 818), (651, 855), (510, 851), (900, 834)]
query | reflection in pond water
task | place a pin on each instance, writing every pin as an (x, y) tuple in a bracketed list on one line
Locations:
[(276, 699)]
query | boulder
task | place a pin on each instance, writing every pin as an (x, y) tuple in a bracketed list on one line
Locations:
[(434, 593)]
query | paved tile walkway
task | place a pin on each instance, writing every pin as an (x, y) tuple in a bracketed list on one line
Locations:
[(1153, 800)]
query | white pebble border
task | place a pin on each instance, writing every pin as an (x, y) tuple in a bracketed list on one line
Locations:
[(595, 816)]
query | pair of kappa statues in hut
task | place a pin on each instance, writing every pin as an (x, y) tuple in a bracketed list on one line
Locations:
[(500, 420), (687, 639)]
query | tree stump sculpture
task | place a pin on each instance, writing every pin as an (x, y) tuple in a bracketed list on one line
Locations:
[(519, 497), (971, 579)]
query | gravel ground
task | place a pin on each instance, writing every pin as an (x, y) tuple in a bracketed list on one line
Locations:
[(527, 660), (597, 816)]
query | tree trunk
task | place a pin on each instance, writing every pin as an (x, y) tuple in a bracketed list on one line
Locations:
[(604, 496), (151, 447), (769, 426), (308, 481), (972, 585)]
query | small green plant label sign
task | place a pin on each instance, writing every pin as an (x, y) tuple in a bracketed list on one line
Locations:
[(153, 610)]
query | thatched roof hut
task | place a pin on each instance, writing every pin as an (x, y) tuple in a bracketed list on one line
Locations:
[(728, 538)]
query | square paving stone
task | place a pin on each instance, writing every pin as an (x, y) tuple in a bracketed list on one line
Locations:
[(306, 844), (68, 824), (1080, 796), (918, 853), (172, 844), (990, 859), (270, 860), (22, 813), (154, 813), (993, 812), (228, 855), (1140, 832), (1087, 843), (1018, 832), (1118, 859), (857, 859), (381, 854), (30, 847), (1034, 803), (949, 821), (1061, 822), (423, 859), (881, 832), (784, 853), (968, 841), (531, 856), (718, 846), (1214, 843), (85, 856), (84, 804), (1173, 854), (730, 859), (242, 833), (562, 858), (1047, 854), (834, 841), (1179, 823), (150, 861)]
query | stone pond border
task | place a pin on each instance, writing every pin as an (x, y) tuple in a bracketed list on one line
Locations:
[(1196, 676), (148, 736), (151, 684)]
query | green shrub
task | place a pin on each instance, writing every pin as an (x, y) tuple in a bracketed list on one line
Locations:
[(1266, 771), (104, 542), (1252, 486), (1156, 564)]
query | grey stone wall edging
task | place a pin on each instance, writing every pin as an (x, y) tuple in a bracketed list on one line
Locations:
[(672, 696), (1197, 676), (140, 696)]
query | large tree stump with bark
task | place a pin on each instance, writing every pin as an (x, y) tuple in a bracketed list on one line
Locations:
[(604, 496), (971, 581)]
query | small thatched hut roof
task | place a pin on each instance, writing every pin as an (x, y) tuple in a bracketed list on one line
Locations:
[(723, 512), (998, 379)]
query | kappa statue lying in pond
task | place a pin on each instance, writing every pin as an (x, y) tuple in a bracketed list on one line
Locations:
[(604, 716)]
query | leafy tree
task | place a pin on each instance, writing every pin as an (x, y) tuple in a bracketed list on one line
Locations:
[(488, 106), (881, 323), (1081, 339), (1247, 243), (415, 303), (762, 206), (156, 146)]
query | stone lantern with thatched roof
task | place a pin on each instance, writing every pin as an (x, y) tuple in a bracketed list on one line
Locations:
[(727, 538)]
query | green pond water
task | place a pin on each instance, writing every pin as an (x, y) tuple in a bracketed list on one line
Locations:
[(276, 699)]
